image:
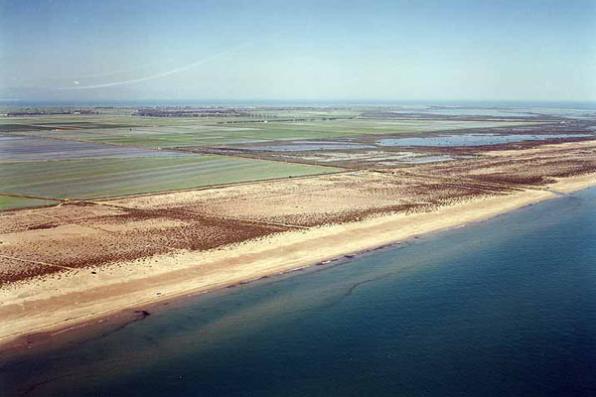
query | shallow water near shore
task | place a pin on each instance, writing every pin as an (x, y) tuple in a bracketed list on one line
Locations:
[(505, 307)]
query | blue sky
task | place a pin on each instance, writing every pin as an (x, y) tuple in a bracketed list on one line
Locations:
[(298, 50)]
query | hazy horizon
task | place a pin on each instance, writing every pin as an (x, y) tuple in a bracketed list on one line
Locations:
[(20, 103), (271, 51)]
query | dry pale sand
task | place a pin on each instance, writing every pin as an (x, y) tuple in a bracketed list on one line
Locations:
[(49, 304)]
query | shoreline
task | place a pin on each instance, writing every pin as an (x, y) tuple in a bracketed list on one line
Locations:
[(34, 312)]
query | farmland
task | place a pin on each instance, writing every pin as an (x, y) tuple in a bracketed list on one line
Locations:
[(166, 132), (94, 178), (55, 155), (13, 202), (52, 155)]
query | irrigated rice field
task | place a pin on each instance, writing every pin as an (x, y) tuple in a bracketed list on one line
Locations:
[(13, 202), (32, 148), (110, 152), (108, 177), (177, 132)]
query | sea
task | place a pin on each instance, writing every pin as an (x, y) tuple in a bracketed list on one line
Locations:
[(505, 307)]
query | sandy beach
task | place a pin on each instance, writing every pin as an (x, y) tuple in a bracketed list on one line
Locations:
[(50, 304)]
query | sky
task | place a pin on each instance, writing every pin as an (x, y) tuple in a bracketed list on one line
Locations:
[(325, 50)]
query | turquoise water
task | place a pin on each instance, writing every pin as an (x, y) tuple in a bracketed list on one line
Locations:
[(502, 308)]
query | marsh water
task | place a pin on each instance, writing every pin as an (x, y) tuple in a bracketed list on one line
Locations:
[(502, 308), (472, 139)]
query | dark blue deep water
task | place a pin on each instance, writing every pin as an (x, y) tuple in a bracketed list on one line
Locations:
[(502, 308)]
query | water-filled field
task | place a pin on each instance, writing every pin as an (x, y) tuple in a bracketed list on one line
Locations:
[(307, 146), (103, 152), (473, 139), (29, 148), (216, 132)]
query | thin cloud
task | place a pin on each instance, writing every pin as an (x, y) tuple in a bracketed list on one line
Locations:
[(157, 75)]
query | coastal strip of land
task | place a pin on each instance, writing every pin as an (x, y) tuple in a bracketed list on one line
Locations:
[(63, 302), (91, 260)]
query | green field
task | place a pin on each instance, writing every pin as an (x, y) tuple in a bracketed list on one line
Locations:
[(89, 177), (196, 132), (11, 202), (95, 178)]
